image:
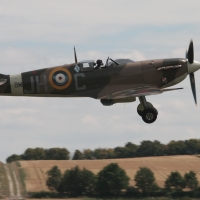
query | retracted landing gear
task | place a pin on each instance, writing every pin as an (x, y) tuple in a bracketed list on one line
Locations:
[(147, 111)]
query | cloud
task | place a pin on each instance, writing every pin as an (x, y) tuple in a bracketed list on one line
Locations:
[(39, 34), (74, 21)]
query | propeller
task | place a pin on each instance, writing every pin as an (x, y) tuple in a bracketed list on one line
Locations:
[(190, 57), (190, 53), (192, 82)]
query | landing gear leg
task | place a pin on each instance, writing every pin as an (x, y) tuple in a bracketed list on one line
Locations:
[(147, 111), (143, 101)]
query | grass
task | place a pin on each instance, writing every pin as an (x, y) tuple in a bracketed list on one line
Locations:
[(4, 189), (21, 175), (9, 165), (148, 198), (56, 196), (17, 163)]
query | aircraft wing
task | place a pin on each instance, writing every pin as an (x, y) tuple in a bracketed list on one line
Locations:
[(137, 92)]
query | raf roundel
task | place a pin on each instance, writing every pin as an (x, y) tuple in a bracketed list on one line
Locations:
[(60, 78)]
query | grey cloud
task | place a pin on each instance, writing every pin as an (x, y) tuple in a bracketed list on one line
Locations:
[(39, 34)]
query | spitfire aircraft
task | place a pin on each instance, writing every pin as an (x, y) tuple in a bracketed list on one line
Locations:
[(118, 81)]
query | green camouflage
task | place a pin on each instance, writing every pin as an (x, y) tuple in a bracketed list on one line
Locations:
[(99, 83), (118, 81)]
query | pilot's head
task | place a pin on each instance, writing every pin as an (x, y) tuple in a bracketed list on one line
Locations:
[(99, 62)]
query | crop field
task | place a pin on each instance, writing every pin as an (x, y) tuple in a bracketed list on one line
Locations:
[(162, 166)]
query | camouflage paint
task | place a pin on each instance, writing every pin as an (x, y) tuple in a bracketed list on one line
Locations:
[(123, 81)]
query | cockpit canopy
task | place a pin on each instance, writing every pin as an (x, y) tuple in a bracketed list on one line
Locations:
[(123, 60), (112, 63), (87, 65)]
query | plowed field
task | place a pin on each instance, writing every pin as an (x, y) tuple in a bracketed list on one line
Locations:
[(161, 166)]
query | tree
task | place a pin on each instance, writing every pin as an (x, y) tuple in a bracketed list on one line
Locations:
[(88, 181), (191, 180), (145, 180), (121, 152), (29, 154), (110, 153), (193, 146), (57, 154), (88, 154), (149, 148), (34, 154), (100, 153), (13, 157), (177, 148), (77, 155), (111, 180), (132, 192), (76, 182), (131, 149), (54, 178), (39, 154), (175, 181)]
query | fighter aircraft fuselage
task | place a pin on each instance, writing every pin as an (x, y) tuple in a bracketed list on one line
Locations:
[(66, 81), (119, 81)]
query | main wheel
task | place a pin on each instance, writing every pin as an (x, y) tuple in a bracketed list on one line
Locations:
[(140, 108), (149, 115)]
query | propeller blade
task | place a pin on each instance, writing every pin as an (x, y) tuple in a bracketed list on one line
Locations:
[(75, 55), (192, 82), (186, 54), (191, 53)]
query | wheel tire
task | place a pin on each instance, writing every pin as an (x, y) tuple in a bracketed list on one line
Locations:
[(139, 112), (149, 115), (140, 108)]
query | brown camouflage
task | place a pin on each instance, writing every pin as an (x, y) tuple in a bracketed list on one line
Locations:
[(120, 81), (99, 83), (115, 83)]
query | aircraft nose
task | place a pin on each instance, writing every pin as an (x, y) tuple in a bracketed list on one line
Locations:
[(193, 67)]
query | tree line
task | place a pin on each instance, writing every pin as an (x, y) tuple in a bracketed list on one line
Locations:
[(146, 148), (129, 150), (112, 181), (41, 154)]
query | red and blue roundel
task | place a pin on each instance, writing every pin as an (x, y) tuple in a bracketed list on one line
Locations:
[(60, 78)]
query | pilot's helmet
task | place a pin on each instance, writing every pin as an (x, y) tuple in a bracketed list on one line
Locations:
[(99, 62)]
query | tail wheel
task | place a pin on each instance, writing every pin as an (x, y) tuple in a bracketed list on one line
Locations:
[(149, 115)]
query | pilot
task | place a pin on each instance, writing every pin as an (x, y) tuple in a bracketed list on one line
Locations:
[(99, 64)]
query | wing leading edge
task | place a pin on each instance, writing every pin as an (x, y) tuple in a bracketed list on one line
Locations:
[(136, 92)]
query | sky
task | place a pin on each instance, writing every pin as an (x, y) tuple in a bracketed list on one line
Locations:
[(39, 34)]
